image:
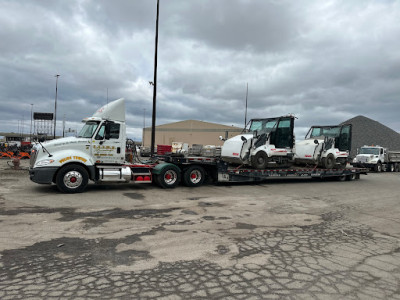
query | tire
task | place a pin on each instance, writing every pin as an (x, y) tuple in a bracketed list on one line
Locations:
[(397, 168), (260, 160), (72, 179), (378, 167), (390, 168), (329, 162), (169, 177), (194, 176)]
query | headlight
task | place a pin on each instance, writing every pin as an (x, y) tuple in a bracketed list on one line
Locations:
[(44, 162)]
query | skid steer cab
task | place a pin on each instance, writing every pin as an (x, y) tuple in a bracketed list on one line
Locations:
[(326, 146), (264, 143)]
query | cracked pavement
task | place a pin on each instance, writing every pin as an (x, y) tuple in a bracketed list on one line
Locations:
[(282, 239)]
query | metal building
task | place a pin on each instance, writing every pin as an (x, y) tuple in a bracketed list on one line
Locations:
[(191, 132)]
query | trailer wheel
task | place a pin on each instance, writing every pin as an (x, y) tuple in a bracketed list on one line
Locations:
[(397, 168), (260, 160), (329, 161), (194, 176), (378, 167), (350, 177), (72, 179), (169, 177)]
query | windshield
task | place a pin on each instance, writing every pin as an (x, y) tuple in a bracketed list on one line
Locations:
[(88, 129), (262, 125), (325, 131), (374, 151)]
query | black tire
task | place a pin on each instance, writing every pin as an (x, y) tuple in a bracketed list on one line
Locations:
[(397, 168), (72, 179), (378, 167), (194, 176), (390, 168), (260, 160), (351, 177), (169, 177), (329, 162)]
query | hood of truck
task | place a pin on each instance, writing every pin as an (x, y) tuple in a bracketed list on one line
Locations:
[(65, 142), (232, 147)]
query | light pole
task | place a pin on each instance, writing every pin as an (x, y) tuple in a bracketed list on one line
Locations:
[(144, 125), (30, 132), (55, 107), (153, 119)]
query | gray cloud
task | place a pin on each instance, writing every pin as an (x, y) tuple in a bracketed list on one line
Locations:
[(324, 61)]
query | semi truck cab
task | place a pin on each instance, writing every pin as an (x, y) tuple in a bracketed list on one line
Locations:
[(71, 161)]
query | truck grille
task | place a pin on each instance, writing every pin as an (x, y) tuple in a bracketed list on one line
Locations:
[(363, 159)]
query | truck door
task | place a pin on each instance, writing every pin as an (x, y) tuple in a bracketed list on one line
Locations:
[(344, 143), (107, 145), (283, 136)]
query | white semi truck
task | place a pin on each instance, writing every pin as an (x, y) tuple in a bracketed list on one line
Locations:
[(98, 154), (377, 158), (325, 146)]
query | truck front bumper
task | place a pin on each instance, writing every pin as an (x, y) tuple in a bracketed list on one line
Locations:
[(42, 175), (363, 165)]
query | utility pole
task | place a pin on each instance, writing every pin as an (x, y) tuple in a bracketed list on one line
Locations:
[(144, 125), (153, 120), (55, 107), (245, 114), (64, 125), (30, 132)]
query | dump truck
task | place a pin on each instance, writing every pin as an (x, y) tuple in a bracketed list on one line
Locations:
[(377, 158), (98, 154)]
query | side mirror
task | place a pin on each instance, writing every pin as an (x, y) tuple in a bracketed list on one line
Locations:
[(316, 142), (243, 139)]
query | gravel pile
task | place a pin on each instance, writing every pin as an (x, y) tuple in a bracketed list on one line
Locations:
[(366, 131)]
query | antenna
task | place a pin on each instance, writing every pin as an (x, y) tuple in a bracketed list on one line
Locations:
[(245, 113)]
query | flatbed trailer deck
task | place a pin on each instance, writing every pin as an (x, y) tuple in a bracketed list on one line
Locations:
[(192, 171)]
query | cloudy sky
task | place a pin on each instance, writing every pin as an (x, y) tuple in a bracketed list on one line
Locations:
[(324, 61)]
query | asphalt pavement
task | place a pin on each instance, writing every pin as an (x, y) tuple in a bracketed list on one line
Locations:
[(280, 239)]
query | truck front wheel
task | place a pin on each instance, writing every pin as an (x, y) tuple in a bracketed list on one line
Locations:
[(72, 179), (260, 160), (378, 167), (194, 176), (329, 162)]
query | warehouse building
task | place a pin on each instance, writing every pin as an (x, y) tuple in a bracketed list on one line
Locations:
[(190, 132), (366, 131)]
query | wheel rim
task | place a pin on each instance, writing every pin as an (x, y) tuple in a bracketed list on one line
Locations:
[(170, 177), (195, 176), (73, 179)]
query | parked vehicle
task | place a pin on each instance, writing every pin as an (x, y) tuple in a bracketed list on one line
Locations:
[(377, 158), (267, 142), (98, 154), (325, 146)]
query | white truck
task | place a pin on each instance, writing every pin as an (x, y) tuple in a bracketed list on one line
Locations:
[(325, 146), (377, 158), (267, 142), (98, 154)]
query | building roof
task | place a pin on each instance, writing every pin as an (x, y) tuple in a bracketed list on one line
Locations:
[(195, 125), (366, 131)]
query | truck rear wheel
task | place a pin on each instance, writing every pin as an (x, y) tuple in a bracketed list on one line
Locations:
[(390, 168), (72, 179), (260, 160), (169, 177), (194, 176), (397, 168)]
